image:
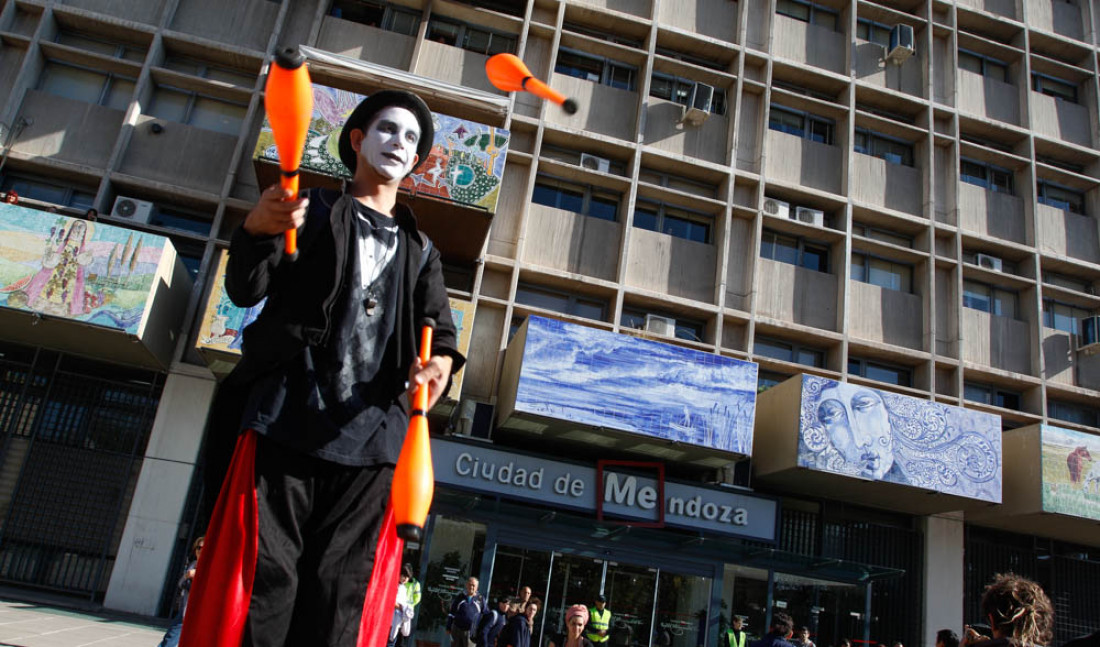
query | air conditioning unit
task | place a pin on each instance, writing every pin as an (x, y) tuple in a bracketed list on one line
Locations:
[(594, 163), (777, 208), (700, 102), (815, 217), (663, 326), (901, 44), (988, 262), (132, 209), (475, 419)]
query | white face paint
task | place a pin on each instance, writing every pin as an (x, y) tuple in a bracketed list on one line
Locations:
[(389, 142)]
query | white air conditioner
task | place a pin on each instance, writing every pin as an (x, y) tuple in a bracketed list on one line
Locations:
[(901, 44), (132, 209), (700, 103), (988, 262), (658, 325), (777, 208), (594, 163), (815, 217)]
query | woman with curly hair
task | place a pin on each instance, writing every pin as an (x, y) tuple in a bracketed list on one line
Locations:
[(1019, 612)]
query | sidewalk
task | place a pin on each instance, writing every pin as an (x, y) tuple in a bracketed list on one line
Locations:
[(40, 624)]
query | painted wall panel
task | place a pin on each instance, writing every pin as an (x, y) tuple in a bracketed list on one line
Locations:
[(863, 432), (602, 379), (1071, 472)]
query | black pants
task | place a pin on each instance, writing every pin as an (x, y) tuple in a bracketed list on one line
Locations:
[(318, 529)]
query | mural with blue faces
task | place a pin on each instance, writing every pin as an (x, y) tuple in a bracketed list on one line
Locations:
[(859, 431), (603, 379)]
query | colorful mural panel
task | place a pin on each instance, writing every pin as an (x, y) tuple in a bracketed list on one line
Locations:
[(1071, 472), (465, 165), (603, 379), (859, 431), (74, 269)]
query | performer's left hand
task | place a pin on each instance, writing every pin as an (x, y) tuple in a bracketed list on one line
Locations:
[(435, 374)]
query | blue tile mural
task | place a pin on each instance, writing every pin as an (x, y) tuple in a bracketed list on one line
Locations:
[(860, 431), (599, 378)]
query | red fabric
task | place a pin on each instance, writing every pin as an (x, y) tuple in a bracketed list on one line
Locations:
[(222, 588), (374, 628)]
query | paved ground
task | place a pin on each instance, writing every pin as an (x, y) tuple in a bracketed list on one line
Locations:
[(43, 623)]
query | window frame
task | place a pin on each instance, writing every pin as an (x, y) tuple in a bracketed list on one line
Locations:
[(664, 211), (105, 90), (587, 191), (464, 30), (873, 28), (993, 396), (571, 300), (801, 246), (807, 120), (905, 280), (997, 297), (990, 174), (796, 351), (812, 11), (607, 67), (1072, 412), (388, 21), (189, 112), (1051, 317), (987, 65), (1049, 85), (862, 364), (874, 139), (1042, 187), (26, 185)]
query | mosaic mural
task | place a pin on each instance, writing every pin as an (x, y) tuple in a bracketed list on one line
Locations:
[(1071, 472), (603, 379), (860, 431), (465, 165), (223, 321), (74, 269)]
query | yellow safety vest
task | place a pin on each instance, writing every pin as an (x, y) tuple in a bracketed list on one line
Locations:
[(735, 641), (598, 622)]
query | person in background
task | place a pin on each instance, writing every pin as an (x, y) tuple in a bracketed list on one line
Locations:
[(465, 612), (735, 636), (172, 636), (91, 215), (412, 593), (491, 623), (576, 617), (802, 638), (517, 633), (782, 628), (599, 622), (402, 610), (947, 638), (522, 596), (1019, 614)]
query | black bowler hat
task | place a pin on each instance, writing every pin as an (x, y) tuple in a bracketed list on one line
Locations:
[(372, 105)]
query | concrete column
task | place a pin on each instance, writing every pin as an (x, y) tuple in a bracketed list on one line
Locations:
[(153, 521), (944, 574)]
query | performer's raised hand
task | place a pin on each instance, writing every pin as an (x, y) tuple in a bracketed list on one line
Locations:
[(435, 374), (275, 212)]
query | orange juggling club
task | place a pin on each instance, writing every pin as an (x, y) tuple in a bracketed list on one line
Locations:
[(413, 478), (289, 103), (508, 73)]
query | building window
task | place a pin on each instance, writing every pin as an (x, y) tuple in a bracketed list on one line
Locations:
[(202, 69), (197, 110), (983, 65), (986, 176), (987, 298), (883, 235), (688, 329), (789, 352), (470, 37), (677, 89), (678, 183), (99, 45), (807, 12), (81, 84), (794, 251), (595, 33), (679, 223), (874, 32), (1072, 412), (50, 192), (1060, 197), (767, 379), (1067, 282), (375, 14), (596, 69), (892, 150), (1062, 316), (182, 219), (883, 273), (880, 372), (584, 200), (801, 124), (563, 302), (693, 59), (1053, 87), (987, 394)]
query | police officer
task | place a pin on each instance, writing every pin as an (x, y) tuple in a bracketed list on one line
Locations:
[(735, 635), (599, 621)]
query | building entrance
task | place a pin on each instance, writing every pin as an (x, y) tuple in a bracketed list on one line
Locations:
[(650, 606)]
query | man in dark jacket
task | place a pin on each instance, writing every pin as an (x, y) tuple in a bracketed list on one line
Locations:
[(462, 621), (492, 621), (322, 378), (782, 629)]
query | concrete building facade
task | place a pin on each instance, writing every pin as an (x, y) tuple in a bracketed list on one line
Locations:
[(899, 195)]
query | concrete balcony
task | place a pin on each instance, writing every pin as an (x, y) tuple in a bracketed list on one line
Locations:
[(797, 294), (366, 43), (1006, 8), (665, 130), (601, 109), (596, 389), (1047, 486), (670, 265), (998, 342), (583, 245), (714, 18), (454, 65), (641, 8), (1060, 119), (93, 289), (817, 435), (1067, 234), (887, 316), (242, 24), (804, 162), (808, 44), (1055, 16), (988, 213), (873, 68), (68, 131), (200, 158), (885, 184), (988, 98), (1064, 364)]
